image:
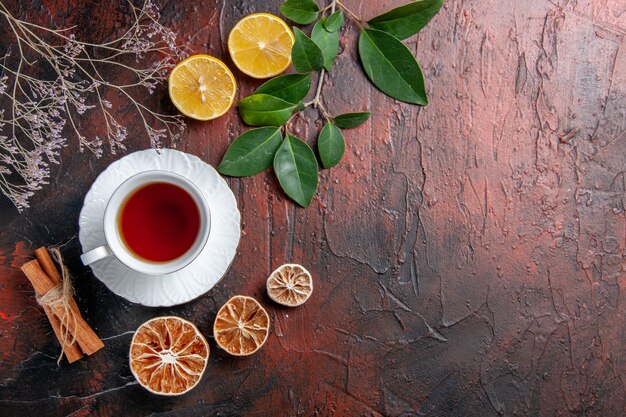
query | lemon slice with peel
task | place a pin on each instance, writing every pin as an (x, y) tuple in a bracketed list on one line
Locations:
[(241, 326), (260, 45), (168, 355), (202, 87), (290, 285)]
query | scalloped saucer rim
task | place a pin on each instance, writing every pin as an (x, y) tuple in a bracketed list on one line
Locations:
[(198, 277)]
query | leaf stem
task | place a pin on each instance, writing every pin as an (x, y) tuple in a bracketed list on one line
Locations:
[(316, 102), (322, 110), (318, 92), (351, 13)]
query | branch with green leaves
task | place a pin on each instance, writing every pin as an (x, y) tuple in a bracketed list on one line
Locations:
[(387, 62)]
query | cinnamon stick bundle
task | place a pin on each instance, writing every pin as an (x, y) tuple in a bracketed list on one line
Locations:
[(73, 333), (70, 348)]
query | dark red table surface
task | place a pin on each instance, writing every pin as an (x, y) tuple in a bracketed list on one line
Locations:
[(467, 262)]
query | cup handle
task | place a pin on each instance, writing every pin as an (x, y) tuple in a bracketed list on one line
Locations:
[(96, 254)]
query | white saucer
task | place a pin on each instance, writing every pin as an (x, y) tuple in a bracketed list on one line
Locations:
[(196, 278)]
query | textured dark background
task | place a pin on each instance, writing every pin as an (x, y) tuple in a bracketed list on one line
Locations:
[(467, 261)]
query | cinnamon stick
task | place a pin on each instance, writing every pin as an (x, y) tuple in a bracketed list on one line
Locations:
[(48, 266), (88, 341), (71, 350)]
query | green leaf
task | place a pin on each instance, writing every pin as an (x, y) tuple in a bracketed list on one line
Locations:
[(349, 120), (301, 12), (407, 20), (334, 21), (306, 55), (331, 145), (296, 168), (291, 87), (328, 42), (251, 153), (265, 110), (391, 67)]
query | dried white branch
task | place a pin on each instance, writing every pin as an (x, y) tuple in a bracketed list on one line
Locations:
[(54, 79)]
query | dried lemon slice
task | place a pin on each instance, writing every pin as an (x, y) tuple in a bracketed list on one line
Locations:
[(168, 355), (241, 326), (202, 87), (290, 285), (260, 45)]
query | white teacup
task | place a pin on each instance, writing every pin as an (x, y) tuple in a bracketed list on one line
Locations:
[(115, 245)]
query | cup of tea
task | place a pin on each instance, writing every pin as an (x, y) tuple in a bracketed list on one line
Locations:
[(156, 222)]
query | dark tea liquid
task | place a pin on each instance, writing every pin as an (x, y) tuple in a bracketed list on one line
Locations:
[(159, 222)]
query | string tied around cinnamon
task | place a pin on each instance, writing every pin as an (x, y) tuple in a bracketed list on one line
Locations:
[(60, 296)]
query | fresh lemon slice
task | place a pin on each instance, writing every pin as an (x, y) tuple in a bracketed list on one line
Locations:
[(260, 45), (202, 87)]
